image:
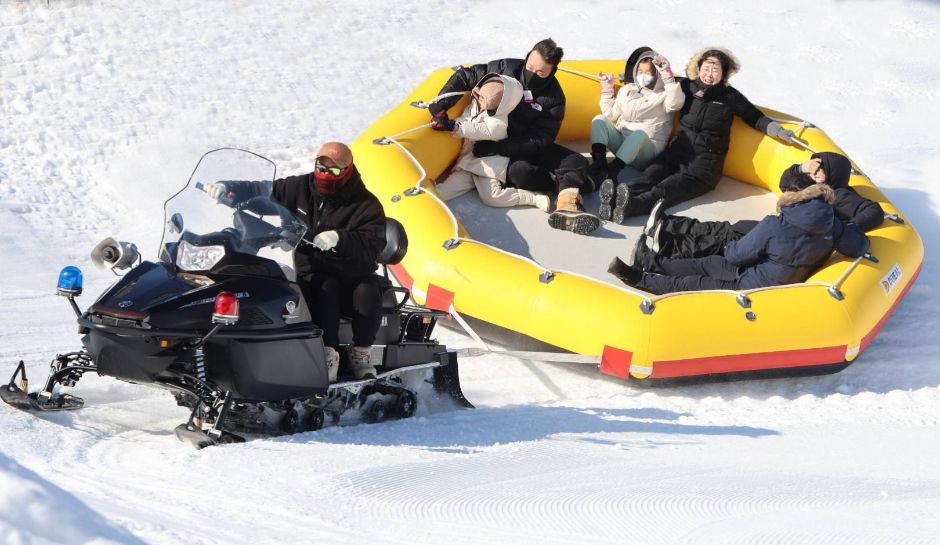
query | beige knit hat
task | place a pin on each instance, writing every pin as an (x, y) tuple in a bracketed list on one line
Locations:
[(492, 92)]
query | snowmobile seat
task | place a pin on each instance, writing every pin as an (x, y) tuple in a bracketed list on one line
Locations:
[(396, 246), (396, 243)]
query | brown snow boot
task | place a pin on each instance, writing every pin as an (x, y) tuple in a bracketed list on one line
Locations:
[(569, 214)]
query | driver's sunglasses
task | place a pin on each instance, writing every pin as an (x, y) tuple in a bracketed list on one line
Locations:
[(335, 171)]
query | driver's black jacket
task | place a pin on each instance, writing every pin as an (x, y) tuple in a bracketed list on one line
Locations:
[(353, 212)]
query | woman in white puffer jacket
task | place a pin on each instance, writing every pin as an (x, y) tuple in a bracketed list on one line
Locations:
[(486, 118), (636, 124)]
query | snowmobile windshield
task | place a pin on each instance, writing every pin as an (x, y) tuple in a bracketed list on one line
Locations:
[(200, 227)]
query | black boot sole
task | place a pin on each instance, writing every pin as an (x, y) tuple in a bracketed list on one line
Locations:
[(579, 223), (621, 204)]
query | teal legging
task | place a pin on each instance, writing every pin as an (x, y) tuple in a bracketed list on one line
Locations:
[(634, 148)]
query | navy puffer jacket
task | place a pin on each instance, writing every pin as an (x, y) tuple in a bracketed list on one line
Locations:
[(849, 205), (789, 247)]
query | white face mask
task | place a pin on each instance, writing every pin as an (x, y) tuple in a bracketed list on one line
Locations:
[(645, 80)]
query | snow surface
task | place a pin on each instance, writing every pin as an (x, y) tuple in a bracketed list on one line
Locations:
[(107, 106)]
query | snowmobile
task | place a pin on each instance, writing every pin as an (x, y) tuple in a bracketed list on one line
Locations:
[(220, 321)]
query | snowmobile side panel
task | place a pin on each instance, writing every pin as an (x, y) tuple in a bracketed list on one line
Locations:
[(136, 358), (263, 370)]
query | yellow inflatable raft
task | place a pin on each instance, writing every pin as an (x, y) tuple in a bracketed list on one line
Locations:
[(526, 297)]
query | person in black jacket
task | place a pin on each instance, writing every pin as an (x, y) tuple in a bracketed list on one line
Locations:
[(692, 163), (680, 236), (536, 162), (336, 269), (782, 249)]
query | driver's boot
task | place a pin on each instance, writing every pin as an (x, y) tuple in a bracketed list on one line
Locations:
[(360, 358), (332, 362)]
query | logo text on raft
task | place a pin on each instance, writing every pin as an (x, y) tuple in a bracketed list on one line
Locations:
[(891, 279)]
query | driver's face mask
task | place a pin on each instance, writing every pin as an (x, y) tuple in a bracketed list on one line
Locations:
[(328, 179)]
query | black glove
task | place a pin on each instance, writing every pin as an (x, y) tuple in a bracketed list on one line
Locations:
[(485, 148), (436, 108), (443, 123)]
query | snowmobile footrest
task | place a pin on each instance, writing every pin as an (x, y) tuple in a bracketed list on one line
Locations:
[(447, 379)]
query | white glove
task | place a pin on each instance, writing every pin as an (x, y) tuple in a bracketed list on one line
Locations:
[(661, 64), (326, 240), (215, 190), (607, 83), (777, 131)]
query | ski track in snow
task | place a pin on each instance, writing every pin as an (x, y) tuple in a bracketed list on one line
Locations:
[(107, 107)]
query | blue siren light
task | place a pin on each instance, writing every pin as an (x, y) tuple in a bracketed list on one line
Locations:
[(70, 281)]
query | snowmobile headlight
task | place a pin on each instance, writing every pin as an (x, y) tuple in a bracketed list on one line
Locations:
[(190, 257)]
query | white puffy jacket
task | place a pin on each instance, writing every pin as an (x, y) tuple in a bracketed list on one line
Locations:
[(642, 109), (475, 124)]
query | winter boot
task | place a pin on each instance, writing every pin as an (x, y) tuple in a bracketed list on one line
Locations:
[(607, 199), (598, 169), (528, 198), (360, 357), (332, 362), (630, 276), (656, 216), (569, 214), (621, 204), (614, 168)]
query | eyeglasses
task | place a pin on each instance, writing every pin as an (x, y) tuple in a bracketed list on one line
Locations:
[(335, 171)]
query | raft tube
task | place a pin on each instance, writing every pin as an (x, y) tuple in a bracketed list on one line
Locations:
[(817, 326)]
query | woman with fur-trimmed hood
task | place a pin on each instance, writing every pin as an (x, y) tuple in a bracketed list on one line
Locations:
[(693, 161), (487, 118), (785, 248)]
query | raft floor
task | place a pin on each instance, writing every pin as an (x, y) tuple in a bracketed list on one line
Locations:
[(524, 230)]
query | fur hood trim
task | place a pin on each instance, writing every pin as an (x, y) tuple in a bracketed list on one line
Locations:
[(691, 69), (814, 191)]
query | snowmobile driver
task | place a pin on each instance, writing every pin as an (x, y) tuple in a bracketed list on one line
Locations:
[(336, 269)]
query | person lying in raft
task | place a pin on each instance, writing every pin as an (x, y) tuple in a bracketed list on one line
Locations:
[(680, 236), (486, 118), (636, 124), (782, 249), (536, 161), (692, 163)]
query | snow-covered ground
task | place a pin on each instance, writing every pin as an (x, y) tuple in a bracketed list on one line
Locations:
[(106, 107)]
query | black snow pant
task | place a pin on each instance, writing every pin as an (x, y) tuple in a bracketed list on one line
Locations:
[(665, 275), (684, 237), (569, 167), (677, 175), (330, 297)]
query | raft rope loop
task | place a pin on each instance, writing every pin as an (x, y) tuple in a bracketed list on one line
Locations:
[(386, 140), (424, 105), (579, 73)]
